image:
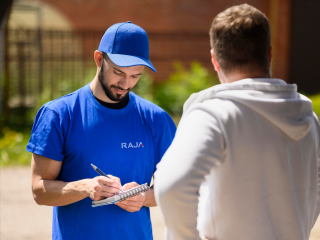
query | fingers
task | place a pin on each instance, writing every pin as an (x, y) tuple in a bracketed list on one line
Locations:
[(110, 182), (114, 178), (102, 187), (133, 204), (138, 198), (130, 206), (129, 185), (100, 195)]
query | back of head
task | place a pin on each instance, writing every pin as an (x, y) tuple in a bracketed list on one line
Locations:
[(240, 37)]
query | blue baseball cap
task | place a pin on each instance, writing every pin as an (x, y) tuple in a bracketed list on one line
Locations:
[(127, 45)]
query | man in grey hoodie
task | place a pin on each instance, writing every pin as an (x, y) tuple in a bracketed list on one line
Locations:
[(248, 147)]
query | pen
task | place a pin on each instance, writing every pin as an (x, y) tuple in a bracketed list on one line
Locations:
[(100, 172)]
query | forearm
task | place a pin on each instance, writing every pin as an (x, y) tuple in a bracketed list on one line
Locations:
[(178, 200), (59, 193), (49, 191), (196, 149), (150, 199)]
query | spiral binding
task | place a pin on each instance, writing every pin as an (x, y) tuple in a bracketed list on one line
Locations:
[(134, 191), (124, 195)]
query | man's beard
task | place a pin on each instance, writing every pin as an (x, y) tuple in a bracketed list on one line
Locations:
[(111, 95)]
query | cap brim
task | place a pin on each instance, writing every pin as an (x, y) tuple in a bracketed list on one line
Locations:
[(129, 61)]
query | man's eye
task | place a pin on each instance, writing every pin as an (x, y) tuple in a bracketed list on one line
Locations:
[(117, 73), (135, 76)]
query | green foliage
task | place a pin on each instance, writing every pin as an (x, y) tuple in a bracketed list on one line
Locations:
[(145, 87), (64, 88), (13, 142), (12, 148), (171, 94), (316, 103), (21, 118)]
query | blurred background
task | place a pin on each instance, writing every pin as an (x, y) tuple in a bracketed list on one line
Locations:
[(46, 51)]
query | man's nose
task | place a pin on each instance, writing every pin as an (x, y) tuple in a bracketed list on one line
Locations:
[(124, 83)]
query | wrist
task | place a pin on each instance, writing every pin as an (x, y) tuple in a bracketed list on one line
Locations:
[(84, 187), (144, 204), (146, 199), (150, 199)]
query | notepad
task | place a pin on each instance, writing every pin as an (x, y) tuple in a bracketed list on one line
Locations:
[(122, 196)]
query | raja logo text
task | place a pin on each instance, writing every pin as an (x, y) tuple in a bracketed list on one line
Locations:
[(130, 145)]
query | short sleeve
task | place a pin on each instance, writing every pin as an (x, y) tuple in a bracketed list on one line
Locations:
[(165, 130), (47, 136)]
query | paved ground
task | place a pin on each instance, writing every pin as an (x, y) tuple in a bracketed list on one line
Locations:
[(22, 219)]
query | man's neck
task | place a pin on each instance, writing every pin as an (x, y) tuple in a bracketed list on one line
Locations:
[(236, 76), (119, 105), (98, 92)]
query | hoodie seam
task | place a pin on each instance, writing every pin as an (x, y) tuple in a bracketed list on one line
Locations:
[(264, 86), (315, 119)]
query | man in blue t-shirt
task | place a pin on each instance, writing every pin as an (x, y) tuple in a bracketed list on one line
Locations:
[(105, 124)]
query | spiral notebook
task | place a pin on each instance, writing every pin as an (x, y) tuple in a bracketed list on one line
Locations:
[(122, 196)]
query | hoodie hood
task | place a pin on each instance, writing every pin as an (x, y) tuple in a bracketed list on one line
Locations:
[(273, 99)]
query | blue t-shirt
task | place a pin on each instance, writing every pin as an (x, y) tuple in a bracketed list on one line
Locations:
[(127, 143)]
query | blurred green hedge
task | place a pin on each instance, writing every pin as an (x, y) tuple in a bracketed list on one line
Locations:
[(169, 95), (172, 93), (316, 103), (12, 147)]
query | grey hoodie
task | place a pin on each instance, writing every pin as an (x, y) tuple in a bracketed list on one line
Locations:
[(250, 148)]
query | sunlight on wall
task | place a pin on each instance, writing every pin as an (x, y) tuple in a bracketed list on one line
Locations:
[(34, 14)]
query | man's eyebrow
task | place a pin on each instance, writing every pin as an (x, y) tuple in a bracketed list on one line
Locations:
[(117, 69), (124, 72), (138, 74)]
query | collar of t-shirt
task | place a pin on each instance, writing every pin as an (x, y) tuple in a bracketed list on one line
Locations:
[(118, 105)]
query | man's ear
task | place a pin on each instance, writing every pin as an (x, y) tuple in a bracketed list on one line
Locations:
[(98, 58), (214, 61)]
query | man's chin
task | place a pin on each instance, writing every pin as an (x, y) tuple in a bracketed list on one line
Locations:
[(119, 97)]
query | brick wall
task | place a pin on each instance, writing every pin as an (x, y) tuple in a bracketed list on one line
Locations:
[(280, 21), (182, 16)]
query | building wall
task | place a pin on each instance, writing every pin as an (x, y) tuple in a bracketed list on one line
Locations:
[(305, 47), (163, 15), (280, 22), (177, 16)]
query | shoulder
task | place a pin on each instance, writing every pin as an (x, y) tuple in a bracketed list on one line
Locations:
[(58, 112), (154, 115), (65, 104), (215, 106), (147, 106)]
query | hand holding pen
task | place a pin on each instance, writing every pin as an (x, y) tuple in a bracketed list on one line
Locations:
[(102, 173)]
